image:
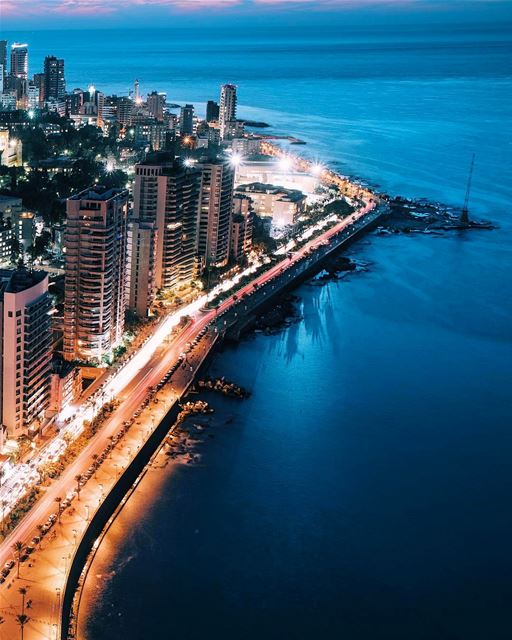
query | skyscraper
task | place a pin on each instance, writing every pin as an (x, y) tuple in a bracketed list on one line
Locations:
[(187, 120), (156, 104), (141, 284), (54, 82), (19, 60), (26, 351), (227, 111), (215, 211), (3, 61), (95, 273), (212, 111), (167, 195)]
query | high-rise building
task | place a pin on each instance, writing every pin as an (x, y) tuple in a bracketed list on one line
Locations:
[(19, 60), (26, 351), (156, 104), (215, 211), (3, 59), (167, 195), (54, 82), (95, 273), (141, 285), (212, 111), (241, 227), (187, 120), (227, 112)]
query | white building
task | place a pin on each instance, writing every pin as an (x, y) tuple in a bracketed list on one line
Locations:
[(26, 351), (95, 273)]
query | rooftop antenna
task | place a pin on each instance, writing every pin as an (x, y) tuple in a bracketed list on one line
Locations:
[(464, 215)]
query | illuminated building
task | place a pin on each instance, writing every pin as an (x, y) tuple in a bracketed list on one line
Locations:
[(26, 351), (141, 263), (284, 206), (156, 105), (240, 240), (187, 120), (95, 273), (54, 82), (227, 111), (215, 211), (19, 61), (166, 194)]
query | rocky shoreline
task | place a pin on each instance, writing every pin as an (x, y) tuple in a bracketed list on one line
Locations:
[(422, 216)]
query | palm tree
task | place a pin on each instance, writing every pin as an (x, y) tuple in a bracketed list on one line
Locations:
[(5, 503), (18, 548), (78, 479), (23, 591), (22, 620), (58, 500), (94, 458)]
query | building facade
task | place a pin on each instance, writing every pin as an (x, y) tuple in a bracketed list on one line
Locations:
[(26, 351), (215, 211), (167, 195), (95, 273), (141, 283), (227, 110)]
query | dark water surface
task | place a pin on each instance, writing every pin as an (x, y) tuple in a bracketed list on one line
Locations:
[(364, 489)]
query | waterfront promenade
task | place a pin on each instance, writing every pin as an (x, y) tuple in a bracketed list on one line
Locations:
[(46, 569)]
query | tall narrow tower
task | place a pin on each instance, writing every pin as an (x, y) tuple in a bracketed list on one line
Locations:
[(227, 110), (464, 216)]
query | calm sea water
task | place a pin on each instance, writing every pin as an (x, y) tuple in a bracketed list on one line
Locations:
[(364, 489)]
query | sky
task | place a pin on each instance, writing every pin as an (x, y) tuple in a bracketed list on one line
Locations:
[(44, 14)]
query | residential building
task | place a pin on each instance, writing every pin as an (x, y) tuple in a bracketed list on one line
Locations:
[(187, 120), (212, 111), (156, 105), (54, 82), (141, 263), (227, 111), (215, 211), (66, 385), (26, 351), (19, 61), (240, 241), (167, 194), (95, 273)]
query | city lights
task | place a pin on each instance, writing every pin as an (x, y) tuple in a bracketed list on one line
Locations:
[(285, 164), (235, 159), (317, 169)]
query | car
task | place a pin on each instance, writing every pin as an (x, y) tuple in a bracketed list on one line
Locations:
[(9, 564), (30, 550), (2, 579), (5, 572), (35, 541)]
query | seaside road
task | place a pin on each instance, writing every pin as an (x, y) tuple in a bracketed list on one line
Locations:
[(131, 398)]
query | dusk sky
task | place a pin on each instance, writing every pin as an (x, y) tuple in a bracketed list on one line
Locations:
[(109, 13)]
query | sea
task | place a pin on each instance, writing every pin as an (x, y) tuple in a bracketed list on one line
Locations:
[(364, 490)]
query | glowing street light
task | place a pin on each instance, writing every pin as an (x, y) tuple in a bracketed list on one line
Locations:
[(285, 164), (188, 162), (317, 169), (31, 114), (235, 160)]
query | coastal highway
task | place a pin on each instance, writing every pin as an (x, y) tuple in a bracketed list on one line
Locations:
[(146, 369)]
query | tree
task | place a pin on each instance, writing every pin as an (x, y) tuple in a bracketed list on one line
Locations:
[(58, 500), (78, 479), (5, 503), (22, 620), (23, 591), (18, 548)]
